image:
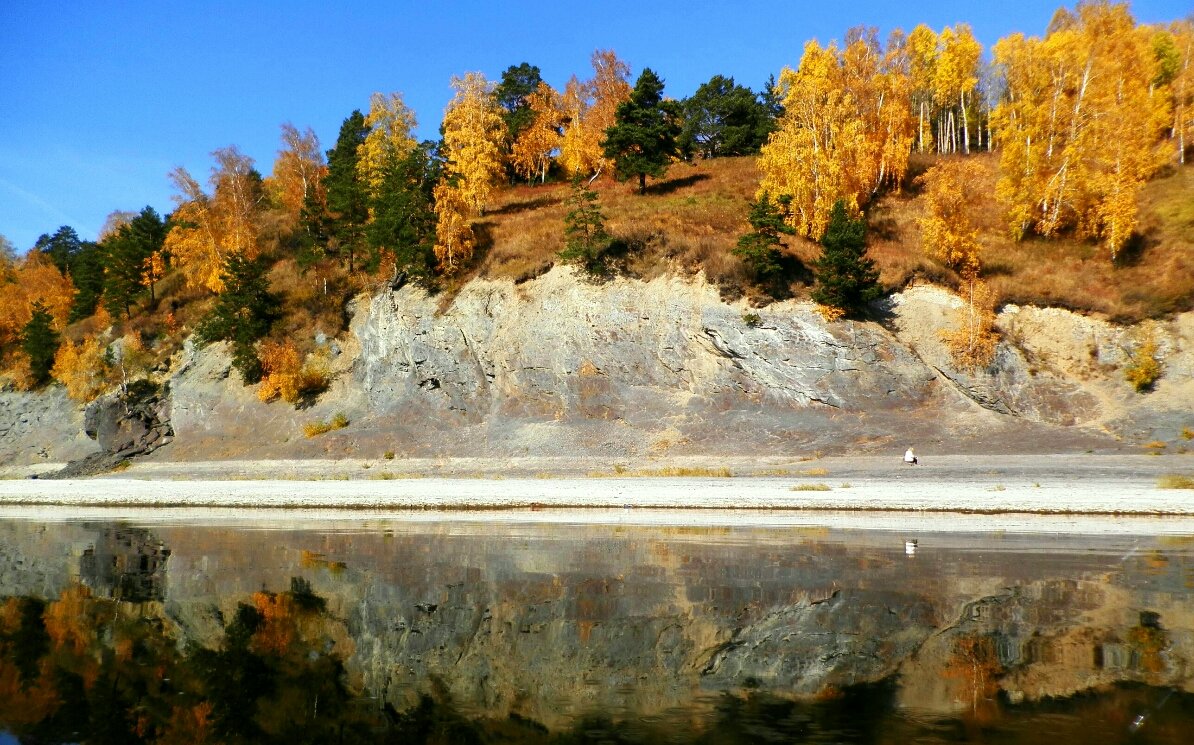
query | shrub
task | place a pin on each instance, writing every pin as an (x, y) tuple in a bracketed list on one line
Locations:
[(284, 375), (314, 429), (751, 319), (1175, 481), (811, 487), (1145, 370)]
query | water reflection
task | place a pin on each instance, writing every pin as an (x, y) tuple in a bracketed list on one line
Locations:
[(482, 633)]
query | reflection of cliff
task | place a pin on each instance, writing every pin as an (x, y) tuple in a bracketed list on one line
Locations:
[(125, 564), (551, 623)]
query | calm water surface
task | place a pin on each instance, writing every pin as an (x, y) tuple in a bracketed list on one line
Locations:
[(354, 631)]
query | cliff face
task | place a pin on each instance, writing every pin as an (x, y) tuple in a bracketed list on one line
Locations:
[(559, 366)]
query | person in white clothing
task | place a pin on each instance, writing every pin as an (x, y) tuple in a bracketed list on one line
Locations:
[(910, 457)]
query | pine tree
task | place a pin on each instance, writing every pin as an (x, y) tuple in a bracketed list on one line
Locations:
[(847, 279), (39, 341), (347, 197), (124, 256), (642, 141), (404, 212), (760, 248), (585, 238), (242, 314)]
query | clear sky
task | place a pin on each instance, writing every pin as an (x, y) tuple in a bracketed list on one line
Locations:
[(98, 101)]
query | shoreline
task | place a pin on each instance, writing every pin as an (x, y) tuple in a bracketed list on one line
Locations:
[(1092, 485)]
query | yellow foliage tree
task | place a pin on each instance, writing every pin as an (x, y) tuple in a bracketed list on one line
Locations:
[(973, 342), (1182, 87), (590, 108), (947, 227), (1080, 128), (210, 228), (846, 130), (298, 173), (391, 124), (454, 239), (33, 279), (921, 54), (82, 368), (532, 152), (474, 140), (954, 80)]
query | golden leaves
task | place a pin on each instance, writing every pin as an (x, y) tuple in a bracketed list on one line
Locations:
[(531, 154), (1080, 129), (298, 173), (947, 228), (973, 342), (391, 125), (590, 108), (209, 228), (845, 131), (474, 139), (454, 239), (81, 368)]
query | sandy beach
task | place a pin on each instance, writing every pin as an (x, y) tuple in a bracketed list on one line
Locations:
[(974, 485)]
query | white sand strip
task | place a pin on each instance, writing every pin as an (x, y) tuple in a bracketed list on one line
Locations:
[(469, 522), (1109, 496)]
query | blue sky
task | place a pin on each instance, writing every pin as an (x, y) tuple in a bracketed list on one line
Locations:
[(98, 101)]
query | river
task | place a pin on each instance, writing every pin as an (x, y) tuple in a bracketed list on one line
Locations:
[(517, 627)]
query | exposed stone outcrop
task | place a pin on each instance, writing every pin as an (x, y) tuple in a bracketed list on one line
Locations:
[(558, 366), (125, 425)]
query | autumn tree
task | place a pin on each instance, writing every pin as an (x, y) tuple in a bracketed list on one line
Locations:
[(973, 341), (474, 140), (83, 368), (947, 229), (126, 257), (347, 194), (81, 261), (208, 229), (1174, 49), (540, 137), (722, 119), (39, 342), (642, 141), (590, 109), (454, 238), (955, 77), (390, 124), (34, 279), (1080, 129), (845, 131), (847, 280), (297, 178)]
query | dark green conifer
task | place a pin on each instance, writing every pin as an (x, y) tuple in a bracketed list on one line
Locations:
[(642, 142), (846, 277), (39, 341), (347, 197), (760, 248), (243, 314), (585, 238)]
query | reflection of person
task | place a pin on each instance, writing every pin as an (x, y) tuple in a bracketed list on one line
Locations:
[(910, 457)]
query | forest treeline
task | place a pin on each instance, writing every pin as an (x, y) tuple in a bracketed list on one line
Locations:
[(1079, 118)]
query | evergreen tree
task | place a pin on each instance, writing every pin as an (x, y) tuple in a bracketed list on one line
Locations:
[(39, 341), (846, 278), (243, 313), (347, 197), (124, 255), (87, 272), (585, 239), (723, 119), (404, 212), (760, 248), (62, 247), (511, 92), (642, 141)]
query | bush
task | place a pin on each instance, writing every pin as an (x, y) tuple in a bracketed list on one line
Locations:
[(83, 368), (314, 429), (1146, 369), (285, 376)]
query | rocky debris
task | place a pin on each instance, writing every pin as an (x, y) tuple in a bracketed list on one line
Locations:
[(126, 425), (40, 430)]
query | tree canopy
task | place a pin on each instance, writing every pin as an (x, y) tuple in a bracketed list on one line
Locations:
[(642, 141)]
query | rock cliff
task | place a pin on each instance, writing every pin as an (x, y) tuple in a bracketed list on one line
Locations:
[(560, 367)]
